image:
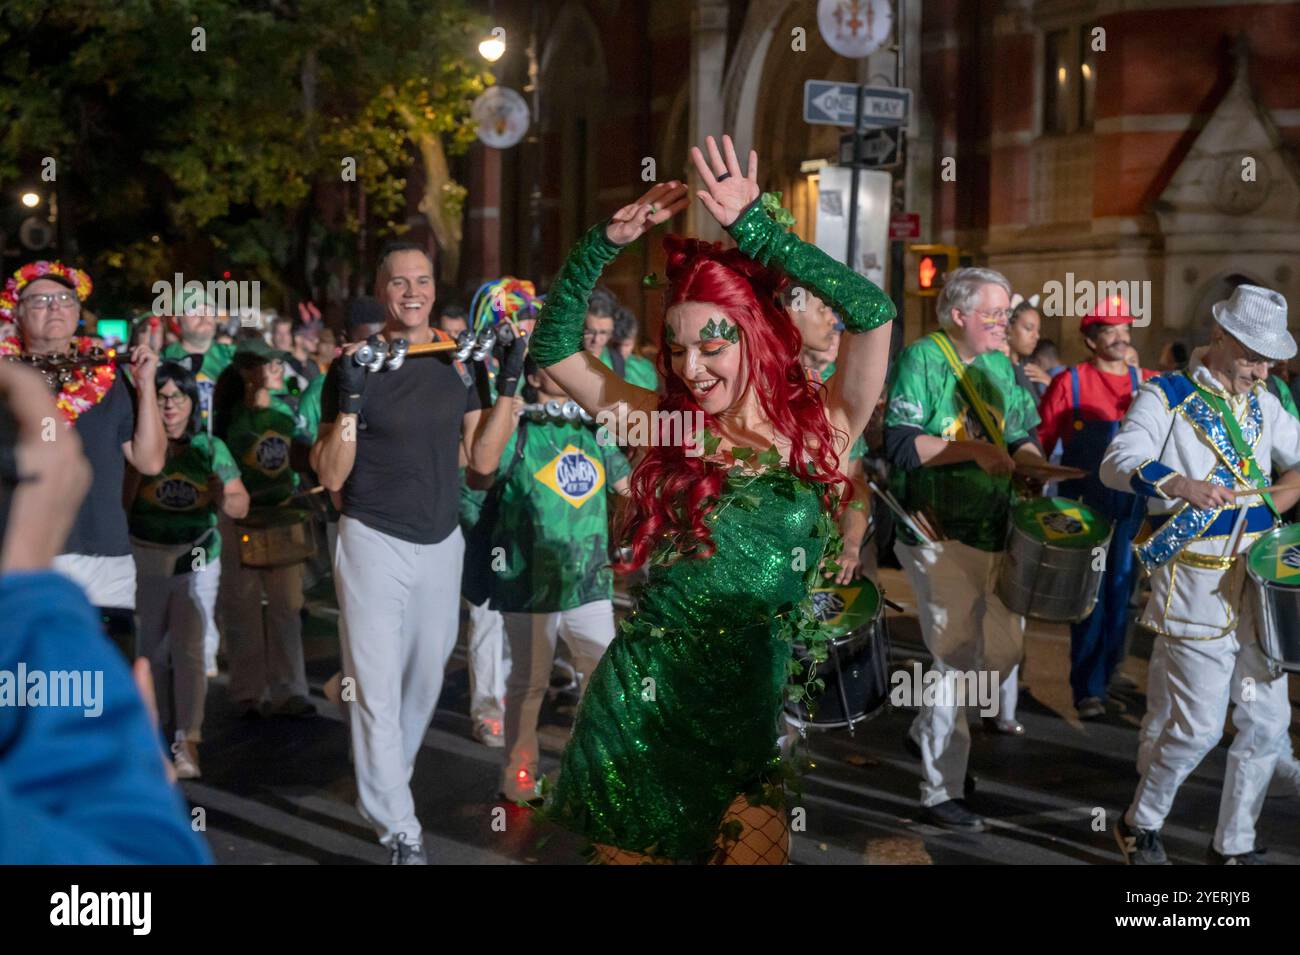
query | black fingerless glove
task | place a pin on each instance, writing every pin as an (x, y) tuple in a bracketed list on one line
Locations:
[(511, 364), (352, 384)]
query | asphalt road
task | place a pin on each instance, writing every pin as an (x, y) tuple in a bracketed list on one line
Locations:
[(281, 790)]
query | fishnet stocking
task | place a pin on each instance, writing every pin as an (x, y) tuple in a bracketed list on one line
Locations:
[(763, 839), (612, 855), (748, 835)]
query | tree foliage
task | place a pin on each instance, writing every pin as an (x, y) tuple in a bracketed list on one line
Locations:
[(223, 125)]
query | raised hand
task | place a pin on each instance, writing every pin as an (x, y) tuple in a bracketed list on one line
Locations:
[(727, 192), (660, 204)]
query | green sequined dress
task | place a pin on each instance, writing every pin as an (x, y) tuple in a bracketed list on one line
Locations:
[(683, 712)]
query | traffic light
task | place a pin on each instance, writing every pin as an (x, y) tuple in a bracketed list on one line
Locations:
[(932, 263)]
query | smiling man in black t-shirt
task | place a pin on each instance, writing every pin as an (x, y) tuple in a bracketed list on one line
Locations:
[(392, 442)]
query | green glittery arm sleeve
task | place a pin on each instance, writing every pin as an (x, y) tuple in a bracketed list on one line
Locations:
[(859, 302), (559, 326)]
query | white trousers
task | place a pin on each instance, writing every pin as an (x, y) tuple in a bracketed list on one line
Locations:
[(489, 662), (966, 628), (264, 645), (399, 610), (173, 613), (1009, 695), (587, 631), (107, 581), (1190, 685)]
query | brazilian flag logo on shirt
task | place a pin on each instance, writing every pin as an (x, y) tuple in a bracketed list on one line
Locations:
[(573, 474), (176, 493), (269, 453)]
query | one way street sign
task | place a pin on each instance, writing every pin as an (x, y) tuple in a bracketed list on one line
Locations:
[(834, 104)]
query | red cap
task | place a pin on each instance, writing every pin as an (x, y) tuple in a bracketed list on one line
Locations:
[(1110, 311)]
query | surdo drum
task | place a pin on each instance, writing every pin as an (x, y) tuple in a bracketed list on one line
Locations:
[(856, 669), (1054, 560), (1273, 566)]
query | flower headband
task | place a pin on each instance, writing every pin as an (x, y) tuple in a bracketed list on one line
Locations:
[(38, 270)]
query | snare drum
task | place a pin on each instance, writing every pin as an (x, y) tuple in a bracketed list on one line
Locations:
[(1273, 565), (856, 669), (275, 537), (1051, 570)]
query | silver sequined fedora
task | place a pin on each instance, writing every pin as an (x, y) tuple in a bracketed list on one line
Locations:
[(1256, 317)]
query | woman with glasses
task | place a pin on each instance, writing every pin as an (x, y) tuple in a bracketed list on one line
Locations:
[(44, 299), (270, 446), (177, 548)]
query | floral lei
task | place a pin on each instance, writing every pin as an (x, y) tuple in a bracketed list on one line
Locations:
[(80, 389)]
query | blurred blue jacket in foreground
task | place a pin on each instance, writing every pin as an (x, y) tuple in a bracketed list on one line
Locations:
[(78, 789)]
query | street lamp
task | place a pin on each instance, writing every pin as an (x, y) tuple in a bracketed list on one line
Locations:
[(493, 46), (31, 200)]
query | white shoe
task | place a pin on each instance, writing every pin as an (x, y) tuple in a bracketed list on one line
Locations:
[(185, 758)]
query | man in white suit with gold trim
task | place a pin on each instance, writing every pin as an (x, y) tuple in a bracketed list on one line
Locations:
[(1188, 441)]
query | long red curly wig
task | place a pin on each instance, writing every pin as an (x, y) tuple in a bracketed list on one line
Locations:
[(672, 492)]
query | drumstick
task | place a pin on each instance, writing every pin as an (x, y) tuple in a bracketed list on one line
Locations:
[(1269, 489), (902, 515)]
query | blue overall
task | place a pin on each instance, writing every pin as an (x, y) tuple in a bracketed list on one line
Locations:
[(1097, 641)]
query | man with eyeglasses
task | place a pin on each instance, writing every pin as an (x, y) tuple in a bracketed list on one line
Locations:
[(1188, 442), (198, 350), (955, 426), (116, 423), (598, 340)]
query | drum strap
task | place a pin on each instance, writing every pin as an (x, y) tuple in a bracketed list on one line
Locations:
[(977, 404), (1239, 445)]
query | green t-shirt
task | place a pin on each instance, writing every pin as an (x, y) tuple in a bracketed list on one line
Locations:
[(260, 440), (175, 506), (309, 407), (970, 505), (636, 370), (1284, 395), (553, 521), (215, 360)]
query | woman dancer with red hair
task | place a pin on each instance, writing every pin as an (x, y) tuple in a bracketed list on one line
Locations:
[(673, 756)]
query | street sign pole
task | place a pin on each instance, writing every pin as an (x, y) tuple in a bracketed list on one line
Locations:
[(853, 178)]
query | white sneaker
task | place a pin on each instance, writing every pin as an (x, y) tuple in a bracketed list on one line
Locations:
[(185, 758)]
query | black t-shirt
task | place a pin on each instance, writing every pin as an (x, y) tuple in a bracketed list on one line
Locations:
[(406, 479), (100, 529)]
